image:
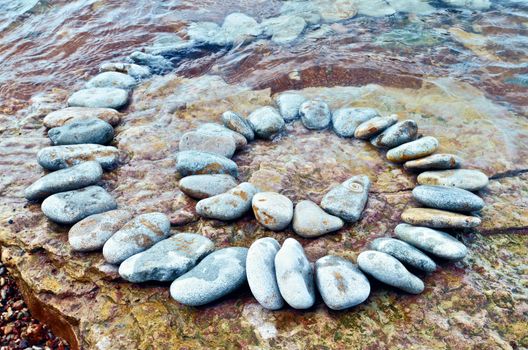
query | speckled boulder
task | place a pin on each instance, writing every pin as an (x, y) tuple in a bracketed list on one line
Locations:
[(438, 218), (196, 163), (439, 161), (404, 252), (111, 80), (266, 122), (374, 126), (66, 115), (309, 220), (471, 180), (230, 205), (238, 124), (348, 199), (221, 144), (447, 198), (89, 130), (272, 210), (60, 157), (413, 150), (205, 186), (398, 134), (315, 115), (289, 104), (99, 98), (346, 120)]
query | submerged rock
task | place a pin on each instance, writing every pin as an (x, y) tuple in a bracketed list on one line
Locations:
[(238, 124), (374, 126), (69, 114), (216, 129), (205, 186), (134, 70), (289, 104), (103, 97), (111, 80), (304, 9), (398, 134), (434, 162), (196, 163), (266, 122), (230, 205), (60, 157), (346, 120), (438, 218), (89, 130), (239, 27), (272, 210), (447, 198), (404, 252), (413, 150), (221, 144), (284, 29), (472, 4), (309, 220), (471, 180), (157, 64), (348, 199), (315, 115)]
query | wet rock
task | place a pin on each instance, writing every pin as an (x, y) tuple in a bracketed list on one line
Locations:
[(434, 162), (103, 97), (66, 115), (341, 284), (266, 122), (134, 70), (374, 126), (238, 124), (398, 134), (309, 220), (272, 210), (346, 120), (436, 242), (89, 130), (284, 29), (136, 236), (196, 162), (221, 144), (205, 186), (471, 4), (334, 11), (169, 45), (207, 33), (413, 150), (389, 270), (166, 260), (471, 180), (404, 252), (217, 129), (303, 9), (92, 232), (72, 206), (111, 80), (230, 205), (289, 104), (60, 157), (438, 218), (315, 115), (157, 64), (261, 275), (295, 275), (217, 275), (239, 27), (348, 199), (447, 198)]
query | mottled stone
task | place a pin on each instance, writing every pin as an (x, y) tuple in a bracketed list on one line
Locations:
[(315, 115), (266, 122), (260, 271), (230, 205), (166, 260), (272, 210), (283, 29), (438, 218), (309, 220), (412, 150), (221, 144), (217, 275), (400, 133), (238, 124), (134, 70), (136, 236), (404, 252), (389, 270), (99, 98), (60, 157), (196, 163), (66, 115), (447, 198), (341, 284), (157, 64), (289, 104), (111, 80), (374, 126), (471, 180), (348, 199), (346, 120), (205, 186), (295, 275), (217, 129), (439, 161), (89, 130), (72, 206)]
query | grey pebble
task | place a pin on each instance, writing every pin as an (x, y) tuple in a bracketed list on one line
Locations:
[(272, 210), (68, 114), (221, 144), (471, 180), (439, 161), (235, 122), (315, 115), (266, 122), (400, 133), (447, 198), (205, 186), (99, 98), (309, 220), (412, 150), (374, 126), (230, 205), (217, 129), (111, 80), (404, 252), (289, 104), (60, 157), (196, 163), (348, 199), (92, 130), (346, 120)]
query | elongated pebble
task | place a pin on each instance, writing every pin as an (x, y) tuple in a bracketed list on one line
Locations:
[(404, 252), (197, 162), (60, 157), (205, 186), (83, 131), (374, 126), (65, 115), (398, 134), (413, 150), (439, 161), (447, 198), (103, 97), (438, 218), (471, 180), (238, 124)]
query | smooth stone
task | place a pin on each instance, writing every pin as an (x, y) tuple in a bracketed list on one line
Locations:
[(111, 80), (284, 29), (135, 236), (196, 163), (466, 179), (92, 232), (170, 45), (315, 115), (60, 157), (223, 145), (436, 242), (398, 134), (404, 252), (217, 129), (341, 284), (412, 150), (309, 220), (438, 218), (166, 260), (209, 33), (389, 270), (295, 275), (374, 126), (346, 120), (89, 130), (437, 161), (272, 210), (157, 64), (261, 275), (205, 186), (134, 70), (348, 199), (69, 114), (104, 97), (217, 275), (447, 198), (289, 104), (73, 206), (266, 122), (305, 9), (239, 27), (230, 205), (235, 122)]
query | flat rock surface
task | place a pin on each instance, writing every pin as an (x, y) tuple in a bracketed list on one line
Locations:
[(60, 157)]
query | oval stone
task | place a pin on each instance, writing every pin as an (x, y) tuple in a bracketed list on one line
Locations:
[(374, 126), (272, 210), (438, 218), (315, 115), (266, 122), (205, 186), (309, 220), (221, 144), (73, 206), (230, 205), (447, 198), (471, 180), (196, 163), (60, 157), (216, 129), (348, 199), (111, 80), (389, 270), (404, 252), (413, 150), (99, 98), (346, 120), (398, 134), (65, 115), (238, 124), (289, 104), (341, 284), (89, 130), (217, 275), (440, 161)]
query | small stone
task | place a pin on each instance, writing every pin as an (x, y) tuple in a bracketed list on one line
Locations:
[(438, 218), (136, 236), (398, 134), (374, 126), (73, 206), (60, 157), (272, 210), (284, 29), (196, 162), (217, 129), (134, 70), (217, 275), (166, 260), (205, 186), (157, 64), (341, 284), (78, 176), (99, 98), (112, 80), (266, 122), (239, 27), (261, 275), (289, 104), (238, 124), (89, 130), (348, 199), (346, 120), (230, 205), (404, 252), (436, 242), (315, 115), (221, 144), (389, 270), (309, 220), (92, 232), (434, 162), (412, 150), (66, 115), (471, 180), (447, 198), (295, 275)]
